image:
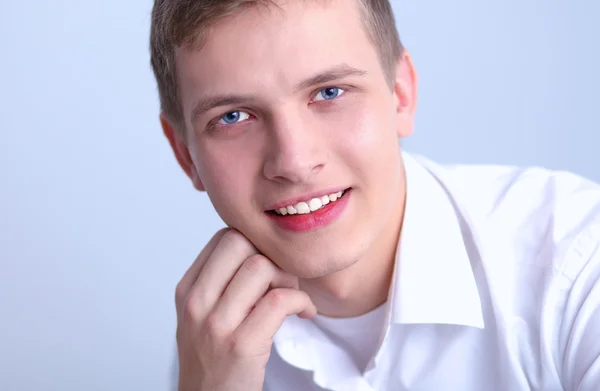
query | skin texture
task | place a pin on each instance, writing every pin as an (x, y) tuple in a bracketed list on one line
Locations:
[(290, 146), (289, 142)]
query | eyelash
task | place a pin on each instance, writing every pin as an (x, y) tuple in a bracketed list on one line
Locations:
[(214, 123)]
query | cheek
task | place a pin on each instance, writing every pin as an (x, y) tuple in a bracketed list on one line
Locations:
[(228, 176), (368, 141)]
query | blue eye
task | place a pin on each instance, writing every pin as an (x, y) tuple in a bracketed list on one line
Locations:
[(233, 117), (329, 93)]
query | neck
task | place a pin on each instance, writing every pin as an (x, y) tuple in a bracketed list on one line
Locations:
[(365, 285)]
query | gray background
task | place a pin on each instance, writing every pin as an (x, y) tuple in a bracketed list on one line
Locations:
[(97, 223)]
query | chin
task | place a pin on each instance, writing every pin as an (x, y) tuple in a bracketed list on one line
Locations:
[(314, 262), (312, 270)]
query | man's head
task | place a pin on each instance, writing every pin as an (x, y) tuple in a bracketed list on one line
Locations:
[(178, 23), (267, 104)]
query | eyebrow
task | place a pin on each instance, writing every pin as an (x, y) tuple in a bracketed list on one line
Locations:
[(209, 103), (336, 73)]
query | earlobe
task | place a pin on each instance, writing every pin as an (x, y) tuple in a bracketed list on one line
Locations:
[(181, 151), (405, 91)]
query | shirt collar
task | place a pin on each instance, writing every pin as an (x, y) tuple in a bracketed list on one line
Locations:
[(433, 282), (433, 278)]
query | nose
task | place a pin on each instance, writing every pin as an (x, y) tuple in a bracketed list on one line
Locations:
[(295, 153)]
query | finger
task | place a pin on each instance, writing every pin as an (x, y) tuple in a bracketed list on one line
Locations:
[(269, 314), (191, 275), (252, 280), (219, 269)]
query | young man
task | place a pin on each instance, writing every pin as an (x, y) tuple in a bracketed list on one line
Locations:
[(424, 277)]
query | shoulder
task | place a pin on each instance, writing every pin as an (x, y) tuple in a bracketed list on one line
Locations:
[(536, 233), (556, 203), (524, 221)]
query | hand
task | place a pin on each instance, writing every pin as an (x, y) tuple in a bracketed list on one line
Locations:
[(230, 304)]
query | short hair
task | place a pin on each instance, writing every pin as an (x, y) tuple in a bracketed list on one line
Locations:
[(183, 23)]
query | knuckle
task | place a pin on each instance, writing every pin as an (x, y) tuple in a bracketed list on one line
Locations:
[(213, 327), (255, 264), (275, 297), (234, 239), (231, 236), (192, 310), (222, 231), (180, 294)]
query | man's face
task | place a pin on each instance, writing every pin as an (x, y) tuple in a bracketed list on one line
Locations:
[(289, 104)]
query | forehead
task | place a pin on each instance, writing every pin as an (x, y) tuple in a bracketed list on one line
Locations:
[(275, 47)]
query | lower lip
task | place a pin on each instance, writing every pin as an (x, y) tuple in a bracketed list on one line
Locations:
[(315, 220)]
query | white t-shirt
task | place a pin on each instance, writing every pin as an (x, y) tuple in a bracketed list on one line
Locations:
[(496, 287), (358, 336)]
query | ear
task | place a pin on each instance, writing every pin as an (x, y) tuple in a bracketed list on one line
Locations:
[(405, 93), (180, 148)]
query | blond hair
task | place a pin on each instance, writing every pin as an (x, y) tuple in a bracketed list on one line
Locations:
[(177, 23)]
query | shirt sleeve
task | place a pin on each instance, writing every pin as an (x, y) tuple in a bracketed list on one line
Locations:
[(580, 331)]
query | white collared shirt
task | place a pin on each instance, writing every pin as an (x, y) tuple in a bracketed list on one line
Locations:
[(496, 287)]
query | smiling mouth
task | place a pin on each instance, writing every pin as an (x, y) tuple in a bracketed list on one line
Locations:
[(309, 206)]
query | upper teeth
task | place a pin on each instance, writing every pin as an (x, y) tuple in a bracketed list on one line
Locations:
[(309, 206)]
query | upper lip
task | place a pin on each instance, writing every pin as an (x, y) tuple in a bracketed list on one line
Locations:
[(305, 197)]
